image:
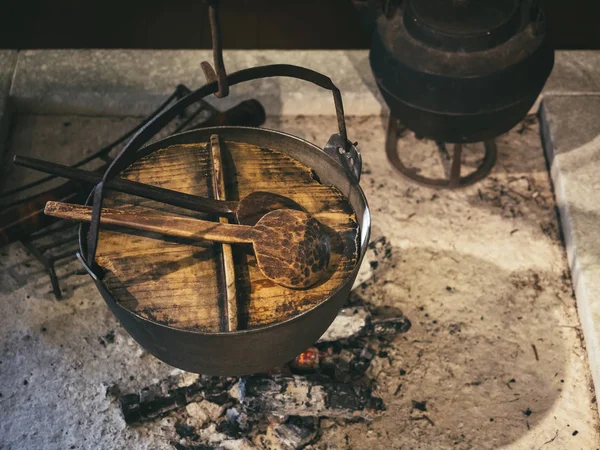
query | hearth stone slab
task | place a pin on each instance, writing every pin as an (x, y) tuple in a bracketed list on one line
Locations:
[(133, 82), (571, 134)]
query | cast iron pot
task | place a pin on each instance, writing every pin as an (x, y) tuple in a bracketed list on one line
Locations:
[(258, 349)]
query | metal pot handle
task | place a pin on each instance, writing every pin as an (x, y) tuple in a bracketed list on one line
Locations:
[(338, 146)]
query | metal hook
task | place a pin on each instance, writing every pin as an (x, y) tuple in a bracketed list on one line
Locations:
[(209, 73)]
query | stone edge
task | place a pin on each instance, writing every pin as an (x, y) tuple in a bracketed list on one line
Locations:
[(581, 283)]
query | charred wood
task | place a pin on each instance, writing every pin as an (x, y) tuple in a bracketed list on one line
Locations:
[(157, 400), (306, 397)]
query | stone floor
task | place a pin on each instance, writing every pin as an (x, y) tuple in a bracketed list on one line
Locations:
[(495, 350)]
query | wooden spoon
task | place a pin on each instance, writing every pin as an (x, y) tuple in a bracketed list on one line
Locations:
[(247, 211), (291, 247)]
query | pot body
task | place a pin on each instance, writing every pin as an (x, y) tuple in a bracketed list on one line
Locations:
[(247, 351), (461, 75)]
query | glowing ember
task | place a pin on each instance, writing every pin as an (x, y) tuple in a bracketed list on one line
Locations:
[(307, 360)]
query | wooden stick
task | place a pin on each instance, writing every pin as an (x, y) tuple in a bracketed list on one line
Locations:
[(157, 222), (291, 247), (218, 178)]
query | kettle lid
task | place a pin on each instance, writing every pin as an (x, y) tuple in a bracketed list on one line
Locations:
[(463, 25)]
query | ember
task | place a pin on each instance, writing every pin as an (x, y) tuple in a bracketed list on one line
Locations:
[(308, 360)]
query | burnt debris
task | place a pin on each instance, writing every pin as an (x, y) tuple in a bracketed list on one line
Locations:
[(282, 408)]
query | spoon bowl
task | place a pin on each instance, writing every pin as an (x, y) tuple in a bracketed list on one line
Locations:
[(254, 206), (293, 249)]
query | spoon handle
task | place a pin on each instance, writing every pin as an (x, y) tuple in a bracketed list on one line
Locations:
[(175, 198), (156, 222)]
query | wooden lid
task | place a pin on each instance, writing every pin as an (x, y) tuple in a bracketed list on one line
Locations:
[(183, 284)]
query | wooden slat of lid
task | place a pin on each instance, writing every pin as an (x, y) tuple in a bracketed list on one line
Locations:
[(229, 310), (167, 280)]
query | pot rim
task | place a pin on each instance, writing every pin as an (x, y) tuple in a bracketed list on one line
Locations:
[(364, 231)]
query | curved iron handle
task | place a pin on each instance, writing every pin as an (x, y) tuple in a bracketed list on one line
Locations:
[(129, 152)]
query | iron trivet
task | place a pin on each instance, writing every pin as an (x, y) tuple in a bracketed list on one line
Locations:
[(395, 130)]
